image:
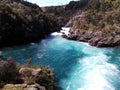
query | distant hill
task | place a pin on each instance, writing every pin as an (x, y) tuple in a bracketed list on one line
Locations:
[(65, 12)]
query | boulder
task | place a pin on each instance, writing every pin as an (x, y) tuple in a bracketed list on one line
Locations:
[(29, 75), (23, 87)]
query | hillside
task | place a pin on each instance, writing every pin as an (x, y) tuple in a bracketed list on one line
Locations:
[(64, 13), (98, 24), (23, 22)]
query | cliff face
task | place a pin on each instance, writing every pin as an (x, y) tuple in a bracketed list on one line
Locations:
[(98, 24), (23, 22)]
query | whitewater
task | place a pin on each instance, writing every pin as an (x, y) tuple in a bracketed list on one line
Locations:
[(77, 65)]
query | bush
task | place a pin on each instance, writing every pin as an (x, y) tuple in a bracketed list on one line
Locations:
[(8, 71), (29, 74), (46, 78)]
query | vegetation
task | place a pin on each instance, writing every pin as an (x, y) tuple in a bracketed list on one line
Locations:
[(101, 18), (8, 71), (23, 22), (63, 13), (12, 73)]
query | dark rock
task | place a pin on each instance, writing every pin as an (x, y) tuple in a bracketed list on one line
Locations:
[(72, 37), (64, 36), (93, 42), (94, 38)]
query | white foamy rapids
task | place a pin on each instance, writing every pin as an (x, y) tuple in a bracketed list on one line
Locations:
[(63, 31), (56, 34), (93, 72), (97, 69)]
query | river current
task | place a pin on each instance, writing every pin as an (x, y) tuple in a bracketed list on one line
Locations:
[(77, 65)]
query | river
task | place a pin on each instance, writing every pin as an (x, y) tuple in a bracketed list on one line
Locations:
[(77, 65)]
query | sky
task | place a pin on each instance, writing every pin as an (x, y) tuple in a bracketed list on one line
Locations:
[(50, 2)]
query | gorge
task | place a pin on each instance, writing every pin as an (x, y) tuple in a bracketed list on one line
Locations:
[(77, 65), (30, 31)]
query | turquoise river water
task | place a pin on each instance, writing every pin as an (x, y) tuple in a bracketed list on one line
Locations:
[(77, 65)]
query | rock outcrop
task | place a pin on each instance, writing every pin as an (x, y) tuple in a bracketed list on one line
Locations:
[(23, 22), (30, 73), (98, 24), (23, 87)]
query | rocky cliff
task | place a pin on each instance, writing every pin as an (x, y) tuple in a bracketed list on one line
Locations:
[(23, 22), (98, 24)]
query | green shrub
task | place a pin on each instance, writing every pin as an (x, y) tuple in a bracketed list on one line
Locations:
[(8, 71), (46, 78)]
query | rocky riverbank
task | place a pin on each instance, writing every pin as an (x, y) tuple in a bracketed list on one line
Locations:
[(98, 24), (25, 77)]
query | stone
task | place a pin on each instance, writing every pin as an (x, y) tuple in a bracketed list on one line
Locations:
[(33, 71), (29, 75), (23, 87)]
